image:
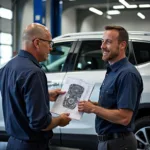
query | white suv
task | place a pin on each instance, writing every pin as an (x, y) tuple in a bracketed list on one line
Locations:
[(79, 56)]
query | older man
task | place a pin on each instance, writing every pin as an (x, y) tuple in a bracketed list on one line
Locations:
[(25, 94)]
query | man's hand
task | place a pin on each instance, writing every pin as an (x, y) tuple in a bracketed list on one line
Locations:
[(53, 94), (61, 120), (85, 106), (64, 119)]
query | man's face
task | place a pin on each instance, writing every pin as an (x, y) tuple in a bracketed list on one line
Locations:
[(45, 48), (110, 46)]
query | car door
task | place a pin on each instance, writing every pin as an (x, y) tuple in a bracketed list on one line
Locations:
[(89, 67)]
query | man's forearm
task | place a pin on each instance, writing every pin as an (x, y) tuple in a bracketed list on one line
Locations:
[(94, 103), (118, 116), (54, 123)]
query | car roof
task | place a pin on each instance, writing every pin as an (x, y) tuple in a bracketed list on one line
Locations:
[(134, 35)]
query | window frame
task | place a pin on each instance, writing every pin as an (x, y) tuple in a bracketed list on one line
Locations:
[(141, 41), (2, 17), (4, 44), (68, 59), (78, 51)]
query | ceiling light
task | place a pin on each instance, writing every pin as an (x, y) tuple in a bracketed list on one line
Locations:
[(124, 2), (96, 11), (141, 15), (132, 6), (127, 4), (118, 7), (144, 5), (72, 0), (5, 13), (109, 17), (113, 12)]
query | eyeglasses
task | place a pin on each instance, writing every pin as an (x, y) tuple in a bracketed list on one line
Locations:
[(51, 43)]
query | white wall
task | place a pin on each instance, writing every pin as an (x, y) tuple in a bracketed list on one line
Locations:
[(69, 21), (88, 24), (27, 16)]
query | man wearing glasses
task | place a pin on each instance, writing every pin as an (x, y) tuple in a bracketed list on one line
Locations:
[(25, 95)]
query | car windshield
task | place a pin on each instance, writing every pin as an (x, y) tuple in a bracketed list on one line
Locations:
[(57, 57)]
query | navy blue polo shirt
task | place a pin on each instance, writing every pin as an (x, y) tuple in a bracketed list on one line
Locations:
[(121, 89), (25, 98)]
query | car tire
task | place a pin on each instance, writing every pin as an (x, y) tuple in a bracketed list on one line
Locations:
[(142, 132)]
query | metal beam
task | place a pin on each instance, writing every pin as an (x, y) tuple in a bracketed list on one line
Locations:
[(39, 14), (55, 16)]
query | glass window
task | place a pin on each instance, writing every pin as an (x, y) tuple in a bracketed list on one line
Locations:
[(142, 52), (90, 56), (5, 38), (5, 53), (57, 57), (6, 13)]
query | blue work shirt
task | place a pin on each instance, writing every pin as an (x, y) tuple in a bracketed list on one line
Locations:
[(121, 89), (25, 98)]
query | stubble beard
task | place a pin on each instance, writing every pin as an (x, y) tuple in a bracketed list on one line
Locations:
[(112, 56)]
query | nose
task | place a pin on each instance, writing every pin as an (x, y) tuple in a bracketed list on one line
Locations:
[(103, 45), (50, 49)]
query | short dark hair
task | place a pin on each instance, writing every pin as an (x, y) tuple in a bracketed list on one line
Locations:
[(123, 34)]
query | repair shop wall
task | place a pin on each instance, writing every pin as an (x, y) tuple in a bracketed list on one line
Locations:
[(88, 24), (27, 15), (69, 21), (128, 19), (6, 42), (68, 17)]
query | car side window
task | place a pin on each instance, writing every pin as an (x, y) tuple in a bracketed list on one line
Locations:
[(142, 52), (90, 56), (57, 57)]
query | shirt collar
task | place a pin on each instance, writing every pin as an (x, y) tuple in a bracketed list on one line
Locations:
[(26, 54), (118, 64)]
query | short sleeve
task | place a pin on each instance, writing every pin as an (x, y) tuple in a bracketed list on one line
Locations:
[(128, 88)]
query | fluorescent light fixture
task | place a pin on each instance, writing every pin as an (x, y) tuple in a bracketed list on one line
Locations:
[(124, 2), (72, 0), (118, 7), (6, 53), (109, 17), (141, 15), (5, 13), (113, 12), (144, 5), (127, 4), (132, 6), (96, 11), (5, 38)]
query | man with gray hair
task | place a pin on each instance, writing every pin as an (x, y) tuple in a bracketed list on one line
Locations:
[(25, 96)]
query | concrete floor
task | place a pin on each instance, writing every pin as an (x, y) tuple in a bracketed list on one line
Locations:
[(4, 144)]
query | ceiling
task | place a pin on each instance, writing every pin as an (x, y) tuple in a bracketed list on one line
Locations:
[(103, 4)]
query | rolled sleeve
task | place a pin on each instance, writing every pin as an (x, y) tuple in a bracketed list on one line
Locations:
[(37, 101)]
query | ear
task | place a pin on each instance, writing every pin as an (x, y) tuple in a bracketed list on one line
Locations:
[(36, 43), (123, 45)]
